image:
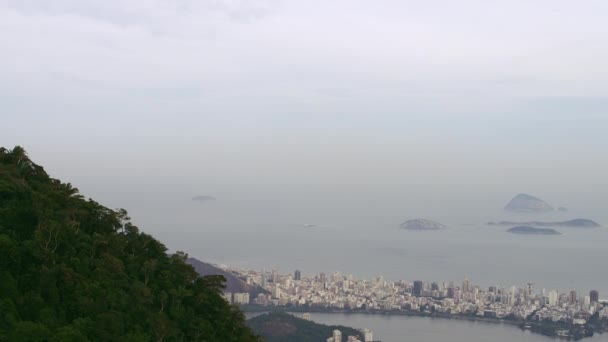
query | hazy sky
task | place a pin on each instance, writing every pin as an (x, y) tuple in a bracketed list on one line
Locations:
[(397, 104)]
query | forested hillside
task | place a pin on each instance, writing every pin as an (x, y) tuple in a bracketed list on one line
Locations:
[(74, 270)]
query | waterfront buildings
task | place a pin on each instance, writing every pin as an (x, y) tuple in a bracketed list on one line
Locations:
[(594, 296), (342, 293)]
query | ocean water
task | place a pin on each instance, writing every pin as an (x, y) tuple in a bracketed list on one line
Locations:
[(365, 240), (487, 255)]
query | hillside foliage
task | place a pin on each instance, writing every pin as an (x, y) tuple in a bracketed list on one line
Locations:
[(74, 270)]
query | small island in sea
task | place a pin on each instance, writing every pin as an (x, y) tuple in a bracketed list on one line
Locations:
[(203, 198), (527, 230), (528, 203), (421, 224), (575, 223)]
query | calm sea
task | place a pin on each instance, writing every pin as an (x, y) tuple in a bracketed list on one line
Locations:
[(486, 254), (368, 243)]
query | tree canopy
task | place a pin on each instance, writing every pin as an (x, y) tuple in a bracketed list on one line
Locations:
[(74, 270)]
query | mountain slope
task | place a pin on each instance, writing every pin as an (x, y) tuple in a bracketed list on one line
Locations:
[(73, 270), (233, 284)]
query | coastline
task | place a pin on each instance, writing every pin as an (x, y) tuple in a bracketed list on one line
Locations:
[(258, 308), (548, 329)]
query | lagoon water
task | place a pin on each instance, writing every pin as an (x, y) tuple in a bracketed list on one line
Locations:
[(420, 329), (396, 328)]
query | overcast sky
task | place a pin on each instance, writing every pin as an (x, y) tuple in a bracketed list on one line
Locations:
[(127, 99)]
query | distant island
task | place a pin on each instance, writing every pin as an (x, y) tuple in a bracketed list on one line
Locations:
[(575, 223), (203, 198), (421, 224), (527, 230), (527, 203), (279, 326)]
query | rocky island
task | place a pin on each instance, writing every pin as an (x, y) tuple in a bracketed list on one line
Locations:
[(527, 230), (528, 203), (421, 224), (575, 223), (203, 198)]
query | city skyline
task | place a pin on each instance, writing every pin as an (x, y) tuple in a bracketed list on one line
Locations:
[(425, 285), (567, 314)]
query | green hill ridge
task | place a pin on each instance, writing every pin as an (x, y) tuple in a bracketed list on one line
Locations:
[(74, 270)]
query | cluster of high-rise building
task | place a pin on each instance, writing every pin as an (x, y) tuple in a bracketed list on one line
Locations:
[(237, 298), (344, 292)]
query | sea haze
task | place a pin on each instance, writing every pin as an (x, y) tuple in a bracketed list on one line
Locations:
[(374, 246)]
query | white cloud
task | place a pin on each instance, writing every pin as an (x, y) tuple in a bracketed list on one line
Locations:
[(230, 57)]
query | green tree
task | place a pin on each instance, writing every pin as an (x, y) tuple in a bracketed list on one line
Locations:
[(73, 270)]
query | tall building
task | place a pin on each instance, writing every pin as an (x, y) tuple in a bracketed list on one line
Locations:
[(586, 301), (434, 286), (594, 296), (297, 275), (368, 336), (466, 285), (530, 290), (553, 298), (322, 278), (457, 294), (263, 278), (337, 336), (451, 292), (275, 276), (276, 292), (572, 297), (417, 291)]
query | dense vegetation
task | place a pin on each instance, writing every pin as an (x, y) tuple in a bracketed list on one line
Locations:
[(73, 270), (282, 327)]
